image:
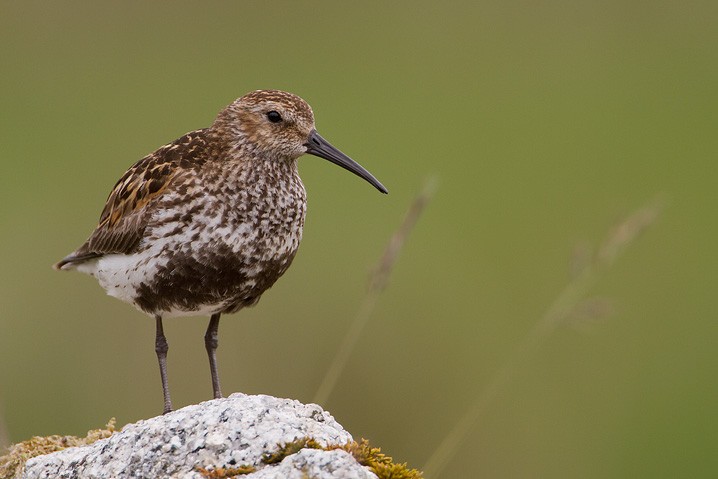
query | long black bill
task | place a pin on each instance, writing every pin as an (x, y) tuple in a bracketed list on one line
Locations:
[(320, 147)]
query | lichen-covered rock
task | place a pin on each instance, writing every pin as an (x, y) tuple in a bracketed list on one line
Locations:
[(213, 439)]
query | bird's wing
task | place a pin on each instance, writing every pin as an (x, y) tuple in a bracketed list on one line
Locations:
[(125, 215)]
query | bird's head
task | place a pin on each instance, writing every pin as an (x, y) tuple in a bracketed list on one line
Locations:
[(280, 126)]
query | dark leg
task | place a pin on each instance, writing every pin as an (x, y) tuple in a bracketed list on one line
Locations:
[(161, 349), (210, 342)]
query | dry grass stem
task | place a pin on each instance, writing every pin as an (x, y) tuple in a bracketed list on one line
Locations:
[(625, 232), (377, 282), (585, 270)]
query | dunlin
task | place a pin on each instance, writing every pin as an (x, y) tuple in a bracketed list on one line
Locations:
[(207, 223)]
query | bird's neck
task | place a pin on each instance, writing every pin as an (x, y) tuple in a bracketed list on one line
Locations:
[(244, 158)]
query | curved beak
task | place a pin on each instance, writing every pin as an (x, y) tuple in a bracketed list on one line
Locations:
[(318, 146)]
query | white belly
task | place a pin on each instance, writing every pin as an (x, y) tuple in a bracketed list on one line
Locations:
[(121, 275)]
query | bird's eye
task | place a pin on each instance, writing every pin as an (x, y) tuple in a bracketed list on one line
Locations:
[(274, 116)]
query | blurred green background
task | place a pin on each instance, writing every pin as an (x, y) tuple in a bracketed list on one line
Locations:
[(545, 123)]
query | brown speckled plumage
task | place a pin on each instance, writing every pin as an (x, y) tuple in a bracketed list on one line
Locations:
[(207, 223)]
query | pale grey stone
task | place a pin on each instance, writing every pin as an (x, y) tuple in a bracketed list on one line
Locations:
[(226, 433)]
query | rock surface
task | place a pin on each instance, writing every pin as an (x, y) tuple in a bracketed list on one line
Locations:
[(219, 434)]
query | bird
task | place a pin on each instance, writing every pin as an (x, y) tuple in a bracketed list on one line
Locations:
[(204, 225)]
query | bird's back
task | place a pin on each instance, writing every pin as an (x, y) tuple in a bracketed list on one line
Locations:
[(124, 217)]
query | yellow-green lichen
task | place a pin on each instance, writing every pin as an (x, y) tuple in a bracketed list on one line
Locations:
[(380, 464), (224, 472), (290, 448), (13, 463), (371, 457)]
